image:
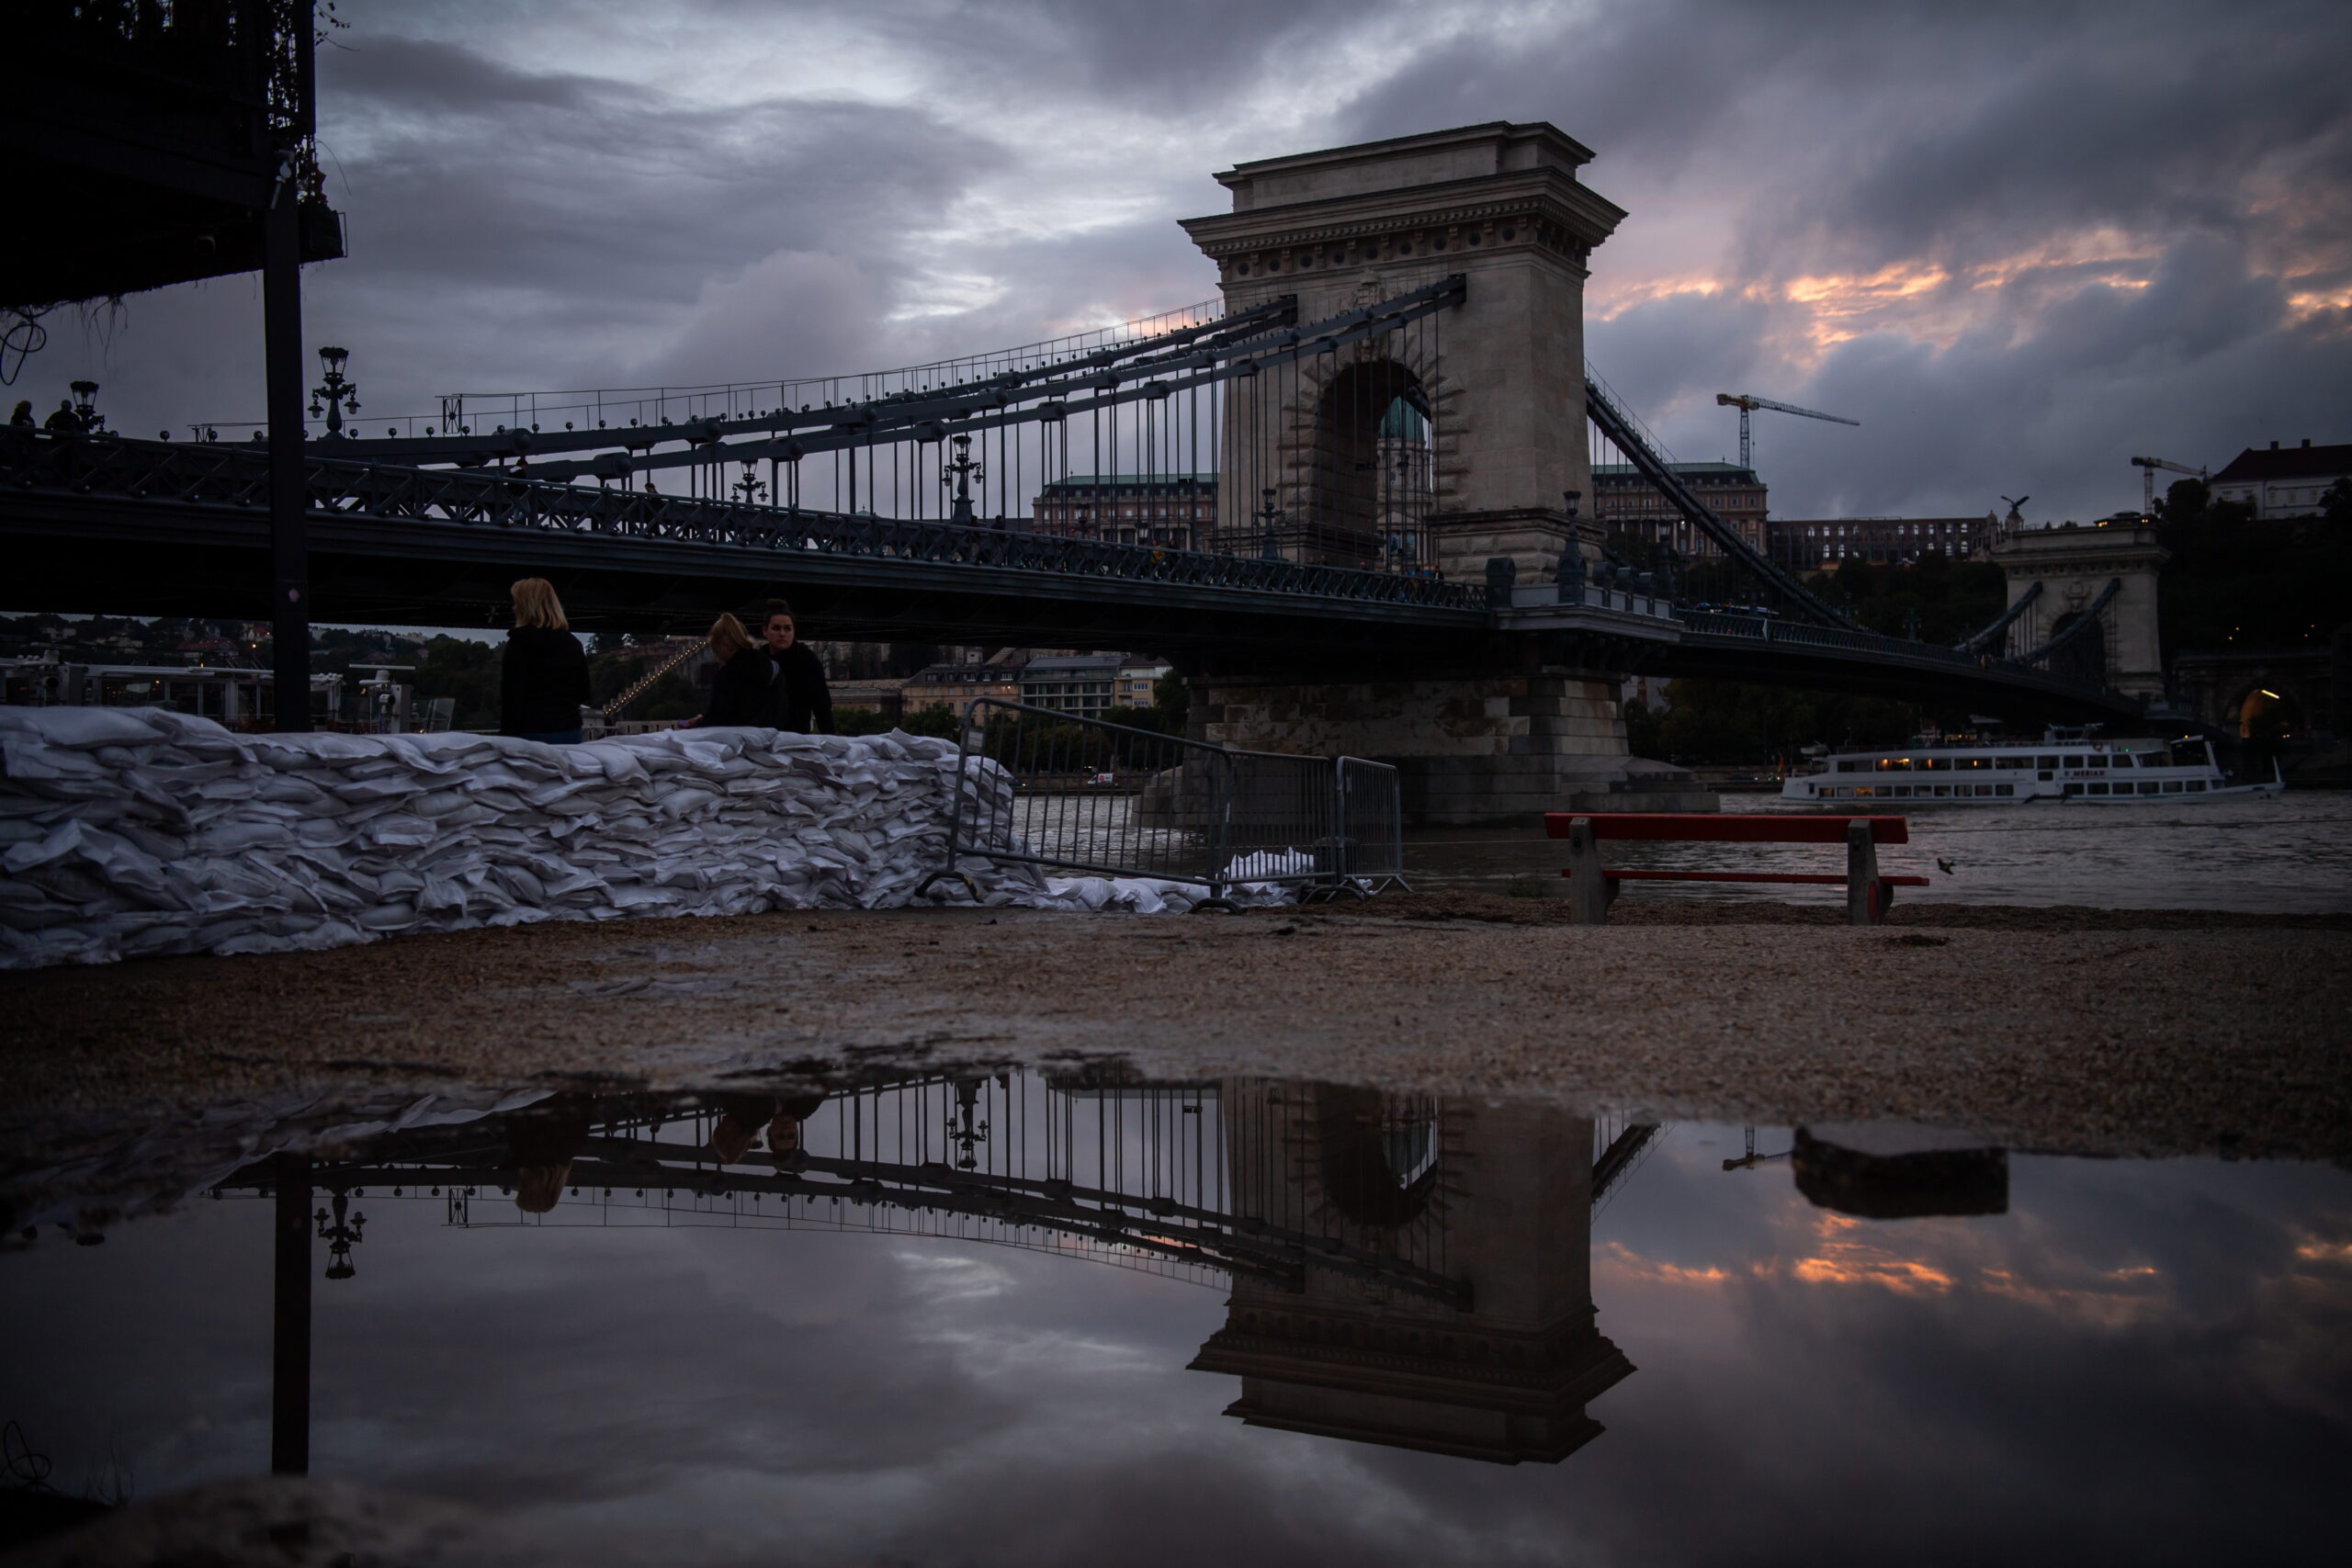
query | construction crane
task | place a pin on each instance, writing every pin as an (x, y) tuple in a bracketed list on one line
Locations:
[(2148, 466), (1747, 403)]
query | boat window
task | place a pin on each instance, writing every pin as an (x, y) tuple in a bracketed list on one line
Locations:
[(2045, 762), (2124, 759), (2196, 786), (1942, 791), (2172, 786), (2096, 789), (1865, 791), (2072, 763), (1985, 792), (2045, 774), (2078, 789), (2151, 787), (1846, 764), (2005, 789)]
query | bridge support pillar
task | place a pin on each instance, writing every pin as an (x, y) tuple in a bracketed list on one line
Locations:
[(2073, 565), (1470, 749)]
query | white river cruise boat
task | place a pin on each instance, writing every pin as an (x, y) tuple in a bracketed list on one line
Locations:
[(2067, 765)]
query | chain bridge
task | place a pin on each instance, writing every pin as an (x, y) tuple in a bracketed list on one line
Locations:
[(1346, 498)]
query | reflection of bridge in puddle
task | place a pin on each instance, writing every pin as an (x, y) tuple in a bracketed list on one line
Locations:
[(1404, 1268)]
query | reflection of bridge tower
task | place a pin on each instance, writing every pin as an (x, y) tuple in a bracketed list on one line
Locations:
[(2073, 568), (1496, 1198)]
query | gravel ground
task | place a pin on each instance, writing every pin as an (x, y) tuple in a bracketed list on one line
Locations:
[(2081, 1030)]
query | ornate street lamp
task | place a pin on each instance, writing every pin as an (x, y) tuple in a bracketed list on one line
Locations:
[(960, 475), (1269, 517), (340, 395), (85, 409)]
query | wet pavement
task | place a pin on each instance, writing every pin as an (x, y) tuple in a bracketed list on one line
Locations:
[(1023, 1316)]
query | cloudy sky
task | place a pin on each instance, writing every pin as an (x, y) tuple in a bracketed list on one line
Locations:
[(2022, 243)]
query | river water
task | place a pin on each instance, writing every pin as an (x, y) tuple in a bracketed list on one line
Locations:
[(1021, 1319), (2291, 854)]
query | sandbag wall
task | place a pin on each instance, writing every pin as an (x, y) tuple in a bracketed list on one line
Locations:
[(134, 832)]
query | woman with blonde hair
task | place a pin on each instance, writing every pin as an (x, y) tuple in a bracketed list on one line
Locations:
[(543, 680), (742, 694)]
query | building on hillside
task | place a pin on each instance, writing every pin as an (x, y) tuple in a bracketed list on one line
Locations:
[(954, 686), (1811, 544), (1168, 511), (2290, 482), (1623, 500), (1083, 683), (1137, 685), (885, 697)]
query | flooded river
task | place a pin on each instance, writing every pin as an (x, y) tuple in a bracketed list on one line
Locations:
[(1026, 1319), (2292, 854)]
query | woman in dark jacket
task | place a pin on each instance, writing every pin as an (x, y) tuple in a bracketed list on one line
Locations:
[(742, 693), (543, 680)]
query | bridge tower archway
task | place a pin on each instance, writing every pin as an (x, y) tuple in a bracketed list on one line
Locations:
[(2084, 657), (1501, 375), (2073, 564)]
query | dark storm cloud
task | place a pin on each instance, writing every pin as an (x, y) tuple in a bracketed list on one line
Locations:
[(2022, 240)]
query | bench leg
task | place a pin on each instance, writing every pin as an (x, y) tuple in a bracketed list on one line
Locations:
[(1865, 897), (1588, 890)]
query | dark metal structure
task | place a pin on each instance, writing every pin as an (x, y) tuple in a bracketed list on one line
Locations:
[(152, 144), (97, 522)]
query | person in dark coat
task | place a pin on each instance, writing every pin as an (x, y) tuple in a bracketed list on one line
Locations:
[(775, 684), (543, 680), (739, 697), (806, 702)]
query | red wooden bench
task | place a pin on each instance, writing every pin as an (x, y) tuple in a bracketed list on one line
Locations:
[(1868, 895)]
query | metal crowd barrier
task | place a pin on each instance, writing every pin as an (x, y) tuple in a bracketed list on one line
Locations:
[(1050, 789)]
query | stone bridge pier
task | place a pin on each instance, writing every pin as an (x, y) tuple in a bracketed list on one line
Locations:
[(1491, 404)]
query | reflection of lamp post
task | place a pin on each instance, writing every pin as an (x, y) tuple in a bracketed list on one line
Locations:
[(84, 410), (342, 397), (1269, 515), (340, 1236), (967, 1131)]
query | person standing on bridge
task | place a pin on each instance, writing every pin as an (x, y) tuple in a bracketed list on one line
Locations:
[(543, 680)]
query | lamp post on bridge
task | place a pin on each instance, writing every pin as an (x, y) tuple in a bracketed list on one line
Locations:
[(340, 395), (1269, 517), (960, 474), (85, 410)]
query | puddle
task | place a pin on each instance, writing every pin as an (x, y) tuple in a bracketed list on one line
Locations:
[(1026, 1318)]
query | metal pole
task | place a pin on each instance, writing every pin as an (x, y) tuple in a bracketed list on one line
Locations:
[(290, 1382), (282, 364)]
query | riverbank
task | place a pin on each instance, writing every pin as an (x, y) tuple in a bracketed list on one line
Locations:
[(2148, 1031)]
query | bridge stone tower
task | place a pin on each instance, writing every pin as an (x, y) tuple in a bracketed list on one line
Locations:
[(1496, 1198), (1499, 204), (2073, 565), (1502, 382)]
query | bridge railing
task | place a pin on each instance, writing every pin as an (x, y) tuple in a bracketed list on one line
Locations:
[(236, 477), (1046, 788), (1768, 629)]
